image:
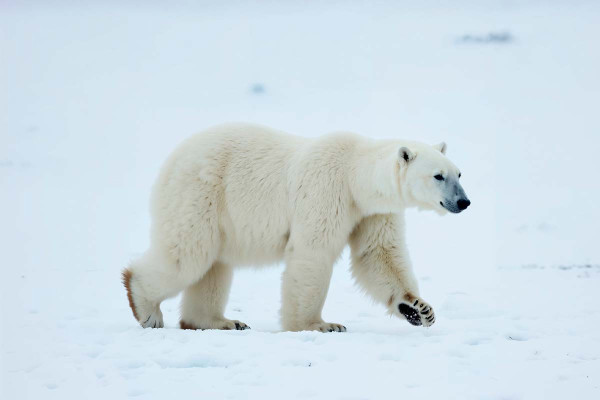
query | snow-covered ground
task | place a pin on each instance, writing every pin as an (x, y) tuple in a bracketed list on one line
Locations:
[(94, 96)]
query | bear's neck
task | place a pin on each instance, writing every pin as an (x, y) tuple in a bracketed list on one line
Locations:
[(376, 188)]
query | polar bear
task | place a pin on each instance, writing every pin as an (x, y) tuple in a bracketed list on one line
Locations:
[(243, 194)]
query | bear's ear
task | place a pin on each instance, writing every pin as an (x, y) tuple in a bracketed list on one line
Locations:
[(405, 155), (441, 147)]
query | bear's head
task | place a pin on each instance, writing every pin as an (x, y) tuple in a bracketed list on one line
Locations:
[(429, 180)]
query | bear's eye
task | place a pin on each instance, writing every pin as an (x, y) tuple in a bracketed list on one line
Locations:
[(459, 174), (439, 177)]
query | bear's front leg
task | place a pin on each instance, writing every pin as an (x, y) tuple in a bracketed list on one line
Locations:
[(381, 265), (305, 285)]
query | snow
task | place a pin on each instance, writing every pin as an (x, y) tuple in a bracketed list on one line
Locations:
[(94, 96)]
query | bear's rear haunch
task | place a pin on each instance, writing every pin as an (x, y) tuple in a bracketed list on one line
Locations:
[(242, 194)]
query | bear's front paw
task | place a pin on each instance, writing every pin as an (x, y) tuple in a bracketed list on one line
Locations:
[(219, 323), (416, 311), (326, 327)]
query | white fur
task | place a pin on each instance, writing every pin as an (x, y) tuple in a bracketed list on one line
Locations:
[(248, 195)]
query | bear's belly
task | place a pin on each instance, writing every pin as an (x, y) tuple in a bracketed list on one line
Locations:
[(255, 234), (255, 248)]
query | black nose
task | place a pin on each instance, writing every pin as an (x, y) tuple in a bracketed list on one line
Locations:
[(463, 204)]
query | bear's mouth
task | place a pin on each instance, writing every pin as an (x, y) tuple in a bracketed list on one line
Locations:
[(451, 209)]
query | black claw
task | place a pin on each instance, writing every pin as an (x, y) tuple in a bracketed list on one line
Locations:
[(416, 302), (330, 329), (425, 311), (240, 326)]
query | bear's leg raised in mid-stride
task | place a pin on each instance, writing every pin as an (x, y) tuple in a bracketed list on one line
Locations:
[(381, 265), (185, 240), (151, 279), (203, 303)]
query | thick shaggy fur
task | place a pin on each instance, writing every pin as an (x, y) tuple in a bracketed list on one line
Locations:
[(248, 195)]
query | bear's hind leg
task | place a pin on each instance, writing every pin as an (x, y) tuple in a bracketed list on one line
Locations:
[(152, 279), (203, 303)]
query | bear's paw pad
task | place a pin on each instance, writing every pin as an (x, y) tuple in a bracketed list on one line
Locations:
[(419, 313)]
